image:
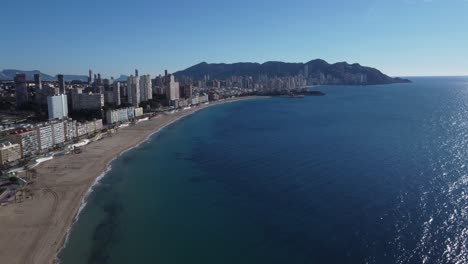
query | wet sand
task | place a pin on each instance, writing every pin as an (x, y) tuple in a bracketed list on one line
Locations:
[(34, 230)]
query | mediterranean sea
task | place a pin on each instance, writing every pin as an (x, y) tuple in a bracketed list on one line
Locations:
[(365, 174)]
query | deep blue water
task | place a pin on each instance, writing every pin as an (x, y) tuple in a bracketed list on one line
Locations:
[(362, 175)]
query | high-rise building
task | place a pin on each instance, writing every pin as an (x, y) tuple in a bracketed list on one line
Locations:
[(133, 90), (116, 93), (146, 92), (57, 106), (172, 88), (38, 81), (306, 71), (21, 90), (90, 78), (99, 80), (188, 90), (158, 86), (61, 83), (136, 72)]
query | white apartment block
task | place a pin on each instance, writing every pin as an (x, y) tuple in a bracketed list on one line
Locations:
[(45, 137), (9, 152), (58, 133), (57, 106), (172, 89), (138, 111), (133, 90), (146, 89)]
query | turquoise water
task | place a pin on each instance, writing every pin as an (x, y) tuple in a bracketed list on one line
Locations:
[(362, 175)]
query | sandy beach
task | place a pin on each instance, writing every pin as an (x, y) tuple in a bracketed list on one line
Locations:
[(34, 230)]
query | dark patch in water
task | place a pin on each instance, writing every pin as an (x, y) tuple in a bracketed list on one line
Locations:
[(106, 233)]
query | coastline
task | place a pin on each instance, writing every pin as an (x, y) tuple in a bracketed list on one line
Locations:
[(36, 230)]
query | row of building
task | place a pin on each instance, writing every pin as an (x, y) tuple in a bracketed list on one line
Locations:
[(43, 137), (123, 114)]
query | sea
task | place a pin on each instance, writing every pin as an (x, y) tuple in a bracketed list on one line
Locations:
[(364, 174)]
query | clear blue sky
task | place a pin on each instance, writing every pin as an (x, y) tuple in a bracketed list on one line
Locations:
[(400, 37)]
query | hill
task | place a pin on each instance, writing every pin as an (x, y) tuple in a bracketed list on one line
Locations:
[(319, 72)]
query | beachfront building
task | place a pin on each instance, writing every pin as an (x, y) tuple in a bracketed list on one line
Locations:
[(194, 100), (86, 101), (45, 137), (57, 106), (138, 111), (90, 127), (131, 113), (146, 92), (203, 99), (28, 141), (70, 129), (184, 103), (120, 115), (58, 132), (98, 124), (81, 129), (9, 152), (133, 90)]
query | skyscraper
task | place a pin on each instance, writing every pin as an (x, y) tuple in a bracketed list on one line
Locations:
[(172, 88), (21, 91), (61, 83), (90, 78), (38, 81), (133, 90), (306, 71), (116, 92), (136, 72), (146, 92), (57, 106)]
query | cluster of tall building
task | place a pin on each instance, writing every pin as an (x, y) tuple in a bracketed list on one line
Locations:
[(62, 98)]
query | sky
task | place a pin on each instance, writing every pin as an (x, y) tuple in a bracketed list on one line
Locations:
[(399, 37)]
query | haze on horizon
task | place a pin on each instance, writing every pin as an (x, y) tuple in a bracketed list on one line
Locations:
[(399, 37)]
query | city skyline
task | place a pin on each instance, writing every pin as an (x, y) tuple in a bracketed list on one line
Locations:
[(401, 38)]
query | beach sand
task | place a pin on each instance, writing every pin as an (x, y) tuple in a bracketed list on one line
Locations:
[(34, 230)]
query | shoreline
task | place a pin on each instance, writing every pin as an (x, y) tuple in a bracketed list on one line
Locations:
[(37, 230)]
